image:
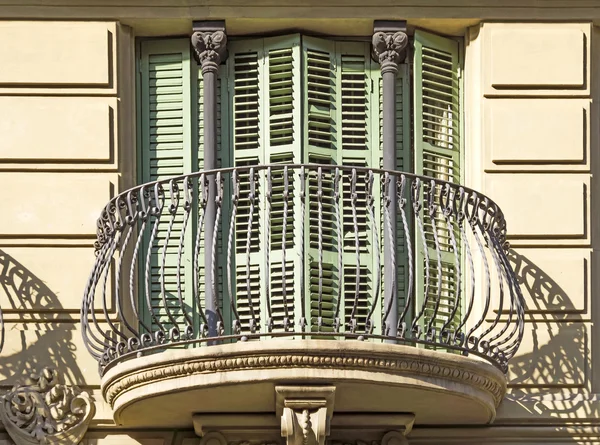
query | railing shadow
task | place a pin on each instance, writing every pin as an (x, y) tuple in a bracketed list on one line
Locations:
[(549, 379), (32, 316)]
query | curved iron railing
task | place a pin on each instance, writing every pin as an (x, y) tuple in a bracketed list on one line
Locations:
[(298, 252)]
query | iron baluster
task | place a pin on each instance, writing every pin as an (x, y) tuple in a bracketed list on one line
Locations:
[(235, 180), (407, 236), (251, 198), (320, 228), (267, 245), (303, 322), (286, 195), (354, 200), (340, 248), (369, 326)]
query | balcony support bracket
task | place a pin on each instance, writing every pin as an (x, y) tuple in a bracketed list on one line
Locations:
[(305, 413)]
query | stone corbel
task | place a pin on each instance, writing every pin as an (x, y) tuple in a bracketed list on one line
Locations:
[(41, 411), (305, 413)]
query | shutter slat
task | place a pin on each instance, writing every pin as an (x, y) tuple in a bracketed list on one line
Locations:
[(437, 147), (166, 152)]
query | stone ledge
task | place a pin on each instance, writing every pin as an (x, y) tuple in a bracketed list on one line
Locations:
[(358, 369)]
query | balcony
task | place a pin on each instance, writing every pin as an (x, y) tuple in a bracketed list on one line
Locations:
[(213, 291)]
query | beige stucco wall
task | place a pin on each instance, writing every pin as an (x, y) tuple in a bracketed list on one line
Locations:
[(531, 139), (532, 145), (66, 118)]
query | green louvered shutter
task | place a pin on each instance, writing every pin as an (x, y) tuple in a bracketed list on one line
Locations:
[(320, 143), (245, 84), (339, 129), (403, 164), (264, 86), (357, 147), (282, 146), (165, 127), (437, 154)]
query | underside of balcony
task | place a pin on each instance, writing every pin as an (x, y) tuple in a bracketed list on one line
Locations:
[(217, 382)]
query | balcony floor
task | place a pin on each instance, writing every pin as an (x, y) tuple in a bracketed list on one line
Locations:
[(168, 388)]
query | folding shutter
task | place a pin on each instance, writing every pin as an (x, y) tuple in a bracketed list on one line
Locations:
[(245, 84), (264, 84), (357, 147), (320, 143), (282, 144), (165, 128), (437, 155)]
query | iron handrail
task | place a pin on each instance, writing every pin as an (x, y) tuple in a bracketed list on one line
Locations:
[(325, 221)]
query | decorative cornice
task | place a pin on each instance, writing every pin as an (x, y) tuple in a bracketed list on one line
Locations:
[(40, 410), (210, 43), (390, 42), (409, 366)]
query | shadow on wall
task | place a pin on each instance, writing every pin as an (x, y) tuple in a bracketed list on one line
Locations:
[(38, 331), (547, 379)]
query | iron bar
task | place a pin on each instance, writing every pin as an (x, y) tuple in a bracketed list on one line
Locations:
[(146, 233)]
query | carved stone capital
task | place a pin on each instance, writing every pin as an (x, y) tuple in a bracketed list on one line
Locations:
[(390, 42), (40, 410), (305, 413), (210, 43)]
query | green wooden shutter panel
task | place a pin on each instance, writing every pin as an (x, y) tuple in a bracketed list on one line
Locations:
[(356, 112), (245, 86), (266, 84), (265, 88), (320, 138), (437, 150), (282, 146), (165, 152)]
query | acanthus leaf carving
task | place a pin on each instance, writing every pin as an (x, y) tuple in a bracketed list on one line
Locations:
[(211, 49), (390, 48), (41, 411)]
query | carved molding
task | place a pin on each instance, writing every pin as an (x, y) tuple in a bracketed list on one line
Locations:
[(210, 43), (390, 43), (412, 365), (40, 410), (305, 413)]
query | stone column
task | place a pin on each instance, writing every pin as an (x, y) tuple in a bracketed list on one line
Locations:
[(389, 49), (209, 41)]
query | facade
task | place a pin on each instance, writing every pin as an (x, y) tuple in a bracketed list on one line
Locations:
[(298, 222)]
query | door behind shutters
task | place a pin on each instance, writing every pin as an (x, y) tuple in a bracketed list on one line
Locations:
[(437, 155)]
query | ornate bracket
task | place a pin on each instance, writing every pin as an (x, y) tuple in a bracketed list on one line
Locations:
[(389, 44), (40, 410), (305, 413), (210, 43)]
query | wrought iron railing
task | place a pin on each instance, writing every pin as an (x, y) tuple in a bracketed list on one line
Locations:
[(298, 252)]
